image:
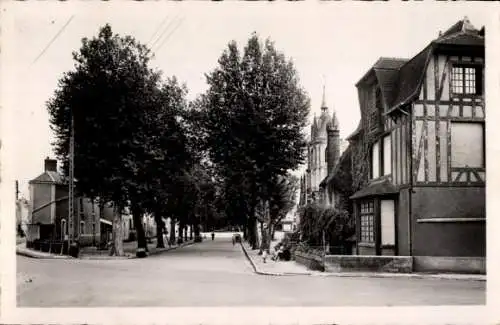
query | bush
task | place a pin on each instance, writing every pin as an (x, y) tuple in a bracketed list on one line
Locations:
[(315, 219)]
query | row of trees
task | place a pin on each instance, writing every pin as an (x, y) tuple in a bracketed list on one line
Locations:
[(140, 144)]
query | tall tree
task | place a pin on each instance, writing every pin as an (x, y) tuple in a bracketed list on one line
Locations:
[(107, 95), (255, 115), (282, 199), (167, 151)]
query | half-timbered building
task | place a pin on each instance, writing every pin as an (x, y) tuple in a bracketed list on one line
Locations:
[(419, 155)]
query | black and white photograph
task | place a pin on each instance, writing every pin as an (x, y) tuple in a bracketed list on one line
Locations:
[(243, 155)]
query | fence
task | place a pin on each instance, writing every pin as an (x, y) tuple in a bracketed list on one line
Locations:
[(32, 232)]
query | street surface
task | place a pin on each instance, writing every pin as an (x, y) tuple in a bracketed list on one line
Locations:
[(216, 273)]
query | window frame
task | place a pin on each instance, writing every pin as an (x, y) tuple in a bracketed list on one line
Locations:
[(372, 154), (367, 222), (64, 227), (478, 79), (383, 157), (483, 140)]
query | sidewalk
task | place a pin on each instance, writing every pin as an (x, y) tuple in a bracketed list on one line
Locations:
[(90, 253), (129, 248), (276, 268), (282, 268), (23, 251)]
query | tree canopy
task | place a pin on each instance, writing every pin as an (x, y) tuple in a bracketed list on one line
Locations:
[(128, 132), (255, 113)]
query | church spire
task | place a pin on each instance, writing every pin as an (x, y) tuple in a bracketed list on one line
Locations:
[(323, 101)]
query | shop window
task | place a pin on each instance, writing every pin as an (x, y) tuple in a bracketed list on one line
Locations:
[(367, 221)]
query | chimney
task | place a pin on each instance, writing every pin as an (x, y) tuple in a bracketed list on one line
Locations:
[(50, 165), (332, 149)]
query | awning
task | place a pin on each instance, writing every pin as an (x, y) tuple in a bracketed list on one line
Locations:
[(379, 188), (106, 222)]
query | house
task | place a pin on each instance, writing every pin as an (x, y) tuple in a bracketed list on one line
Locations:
[(49, 213), (418, 155), (49, 210)]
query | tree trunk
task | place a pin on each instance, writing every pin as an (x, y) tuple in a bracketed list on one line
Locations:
[(197, 235), (172, 230), (262, 239), (142, 246), (185, 232), (245, 233), (180, 238), (117, 245), (252, 232), (159, 231)]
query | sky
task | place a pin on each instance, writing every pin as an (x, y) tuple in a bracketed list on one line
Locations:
[(330, 43)]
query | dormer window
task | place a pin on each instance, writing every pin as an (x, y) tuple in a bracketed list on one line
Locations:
[(467, 79)]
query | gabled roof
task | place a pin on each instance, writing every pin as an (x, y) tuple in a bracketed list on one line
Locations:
[(410, 76), (412, 73), (377, 188), (389, 63), (48, 177)]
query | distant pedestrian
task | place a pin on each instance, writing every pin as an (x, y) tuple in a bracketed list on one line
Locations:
[(213, 235)]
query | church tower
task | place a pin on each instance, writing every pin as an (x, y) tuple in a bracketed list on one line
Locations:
[(317, 153)]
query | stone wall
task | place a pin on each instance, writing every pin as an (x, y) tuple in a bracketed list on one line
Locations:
[(311, 260), (391, 264)]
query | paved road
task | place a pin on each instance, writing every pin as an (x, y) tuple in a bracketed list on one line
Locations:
[(214, 273)]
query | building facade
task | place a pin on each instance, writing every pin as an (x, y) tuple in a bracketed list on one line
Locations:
[(419, 154), (48, 210)]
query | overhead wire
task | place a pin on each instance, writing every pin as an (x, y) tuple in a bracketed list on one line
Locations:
[(163, 32), (158, 29), (169, 35), (52, 40)]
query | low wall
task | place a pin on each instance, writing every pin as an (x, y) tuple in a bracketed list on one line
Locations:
[(310, 260), (471, 265), (391, 264)]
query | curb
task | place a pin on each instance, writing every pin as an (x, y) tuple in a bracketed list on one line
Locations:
[(369, 275), (130, 256), (257, 271), (401, 275), (46, 257), (90, 257)]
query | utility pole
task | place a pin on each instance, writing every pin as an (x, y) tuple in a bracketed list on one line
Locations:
[(71, 181), (17, 190)]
